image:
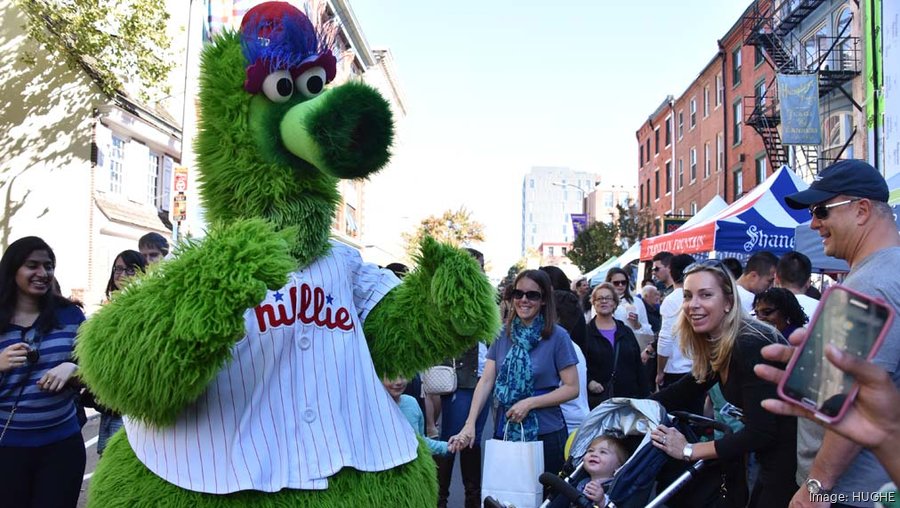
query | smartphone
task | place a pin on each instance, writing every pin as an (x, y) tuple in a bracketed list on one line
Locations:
[(852, 322)]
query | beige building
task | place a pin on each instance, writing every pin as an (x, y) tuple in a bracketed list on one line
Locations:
[(91, 174), (602, 200)]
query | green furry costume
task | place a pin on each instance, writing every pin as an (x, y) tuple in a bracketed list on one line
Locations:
[(273, 143)]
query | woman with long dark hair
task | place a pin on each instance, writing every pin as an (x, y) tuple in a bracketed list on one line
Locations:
[(531, 369), (41, 450), (724, 344)]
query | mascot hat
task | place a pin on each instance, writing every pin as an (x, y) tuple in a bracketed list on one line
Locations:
[(277, 35)]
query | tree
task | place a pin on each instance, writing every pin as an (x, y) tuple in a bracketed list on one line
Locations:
[(634, 224), (454, 227), (112, 39), (597, 243)]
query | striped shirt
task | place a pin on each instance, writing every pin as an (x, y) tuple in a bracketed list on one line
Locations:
[(41, 417), (300, 398)]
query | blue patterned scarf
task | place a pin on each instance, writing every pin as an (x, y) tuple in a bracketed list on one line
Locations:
[(515, 381)]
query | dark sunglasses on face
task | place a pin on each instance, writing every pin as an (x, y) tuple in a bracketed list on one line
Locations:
[(618, 282), (533, 296), (821, 211), (655, 268)]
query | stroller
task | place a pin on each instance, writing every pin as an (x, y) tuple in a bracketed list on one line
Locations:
[(633, 483)]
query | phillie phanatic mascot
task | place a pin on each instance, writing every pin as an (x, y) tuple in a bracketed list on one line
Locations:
[(249, 366)]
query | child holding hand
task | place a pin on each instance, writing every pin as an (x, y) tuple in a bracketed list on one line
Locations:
[(410, 409)]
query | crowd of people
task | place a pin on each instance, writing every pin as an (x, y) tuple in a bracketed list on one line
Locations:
[(711, 337)]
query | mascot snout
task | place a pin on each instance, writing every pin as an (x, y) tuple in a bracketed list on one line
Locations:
[(345, 132)]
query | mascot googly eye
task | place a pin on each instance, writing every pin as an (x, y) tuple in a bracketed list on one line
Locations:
[(278, 86), (311, 82)]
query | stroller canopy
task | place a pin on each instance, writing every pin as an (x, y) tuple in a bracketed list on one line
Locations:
[(620, 417)]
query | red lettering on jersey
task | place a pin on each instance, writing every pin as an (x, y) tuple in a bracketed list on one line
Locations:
[(312, 309)]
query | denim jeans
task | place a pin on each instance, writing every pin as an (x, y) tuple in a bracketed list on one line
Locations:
[(109, 424)]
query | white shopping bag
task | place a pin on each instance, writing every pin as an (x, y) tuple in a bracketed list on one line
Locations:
[(511, 471)]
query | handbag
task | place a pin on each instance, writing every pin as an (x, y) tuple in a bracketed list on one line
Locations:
[(439, 380), (511, 470)]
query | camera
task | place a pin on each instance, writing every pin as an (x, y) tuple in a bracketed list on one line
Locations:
[(32, 356)]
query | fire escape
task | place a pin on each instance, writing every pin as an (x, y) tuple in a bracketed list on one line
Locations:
[(836, 61)]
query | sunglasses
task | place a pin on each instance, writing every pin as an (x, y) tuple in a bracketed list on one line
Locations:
[(655, 268), (821, 211), (766, 312), (618, 282), (533, 296), (702, 265)]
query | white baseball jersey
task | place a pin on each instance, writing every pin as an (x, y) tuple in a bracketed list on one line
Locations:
[(300, 398)]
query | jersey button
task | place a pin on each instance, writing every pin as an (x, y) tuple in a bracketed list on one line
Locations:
[(309, 416), (305, 343)]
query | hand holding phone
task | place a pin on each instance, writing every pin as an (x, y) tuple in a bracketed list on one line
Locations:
[(852, 322)]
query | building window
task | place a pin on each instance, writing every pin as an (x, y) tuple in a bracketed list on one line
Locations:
[(736, 67), (837, 129), (641, 196), (531, 183), (707, 165), (815, 48), (154, 169), (760, 169), (693, 208), (844, 54), (705, 101), (608, 200), (738, 183), (641, 156), (760, 91), (656, 182), (720, 152), (116, 165), (656, 135), (550, 250), (737, 110), (668, 177), (668, 131), (720, 90), (680, 125), (350, 222), (693, 164), (564, 251), (758, 56), (648, 148), (680, 173), (693, 112)]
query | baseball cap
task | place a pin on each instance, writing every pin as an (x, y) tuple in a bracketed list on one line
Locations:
[(849, 177)]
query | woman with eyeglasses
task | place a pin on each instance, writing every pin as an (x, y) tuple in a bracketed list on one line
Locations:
[(613, 354), (531, 369), (126, 265), (42, 453), (724, 344), (780, 308), (631, 312)]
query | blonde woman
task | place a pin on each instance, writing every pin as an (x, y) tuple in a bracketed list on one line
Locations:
[(724, 344)]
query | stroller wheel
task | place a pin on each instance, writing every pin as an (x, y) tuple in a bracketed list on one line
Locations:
[(490, 502)]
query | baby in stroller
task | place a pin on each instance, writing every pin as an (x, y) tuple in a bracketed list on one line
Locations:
[(604, 455)]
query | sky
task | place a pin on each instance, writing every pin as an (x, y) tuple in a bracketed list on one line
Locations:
[(495, 87)]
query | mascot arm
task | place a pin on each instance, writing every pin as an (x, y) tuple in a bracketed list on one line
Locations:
[(439, 310), (153, 349)]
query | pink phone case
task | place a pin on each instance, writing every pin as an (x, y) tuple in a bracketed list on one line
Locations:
[(851, 396)]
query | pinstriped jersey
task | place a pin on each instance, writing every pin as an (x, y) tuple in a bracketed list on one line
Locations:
[(300, 398)]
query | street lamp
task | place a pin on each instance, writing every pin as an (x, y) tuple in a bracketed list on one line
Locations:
[(582, 191)]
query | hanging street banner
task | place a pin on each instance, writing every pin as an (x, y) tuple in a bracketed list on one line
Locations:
[(579, 223), (799, 98)]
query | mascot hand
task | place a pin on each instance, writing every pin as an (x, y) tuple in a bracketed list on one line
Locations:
[(459, 289)]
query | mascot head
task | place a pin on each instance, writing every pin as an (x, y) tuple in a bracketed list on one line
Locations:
[(274, 137)]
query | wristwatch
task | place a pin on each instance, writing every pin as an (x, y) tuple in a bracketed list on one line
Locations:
[(814, 486), (687, 452)]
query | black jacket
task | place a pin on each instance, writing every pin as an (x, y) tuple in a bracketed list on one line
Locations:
[(630, 376)]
